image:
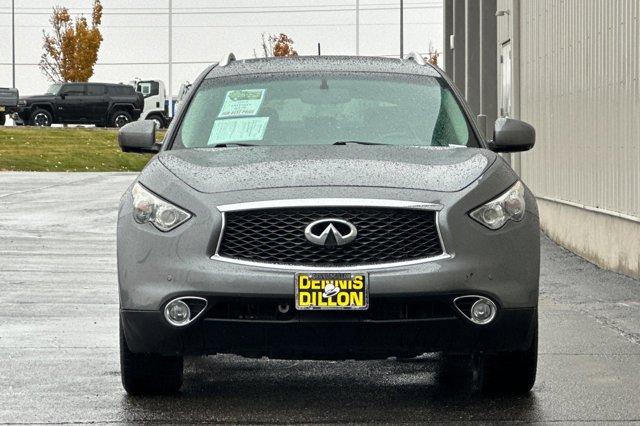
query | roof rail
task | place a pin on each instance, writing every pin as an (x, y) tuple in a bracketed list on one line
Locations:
[(416, 57), (227, 59)]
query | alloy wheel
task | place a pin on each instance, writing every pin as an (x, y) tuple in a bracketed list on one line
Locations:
[(121, 120), (41, 119)]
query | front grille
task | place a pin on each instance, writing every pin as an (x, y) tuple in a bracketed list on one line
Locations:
[(385, 235)]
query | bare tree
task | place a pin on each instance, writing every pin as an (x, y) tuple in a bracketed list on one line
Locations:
[(267, 46)]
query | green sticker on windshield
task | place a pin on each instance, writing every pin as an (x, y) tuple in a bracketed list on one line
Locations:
[(238, 103), (238, 130)]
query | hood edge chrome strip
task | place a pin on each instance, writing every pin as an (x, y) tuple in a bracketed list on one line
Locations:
[(330, 202), (373, 267)]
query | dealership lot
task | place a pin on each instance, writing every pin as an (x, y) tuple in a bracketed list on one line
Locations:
[(58, 338)]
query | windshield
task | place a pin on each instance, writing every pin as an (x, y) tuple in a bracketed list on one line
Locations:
[(305, 109), (53, 89)]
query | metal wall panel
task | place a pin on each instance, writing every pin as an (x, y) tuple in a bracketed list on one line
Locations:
[(503, 25), (580, 88)]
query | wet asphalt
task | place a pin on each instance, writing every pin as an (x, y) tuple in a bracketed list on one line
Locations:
[(59, 338)]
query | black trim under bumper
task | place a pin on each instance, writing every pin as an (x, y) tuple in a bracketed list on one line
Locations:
[(147, 331)]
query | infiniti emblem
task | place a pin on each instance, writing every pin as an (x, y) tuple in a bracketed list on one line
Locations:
[(330, 232)]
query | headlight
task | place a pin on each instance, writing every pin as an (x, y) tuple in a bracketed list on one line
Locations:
[(508, 206), (148, 207)]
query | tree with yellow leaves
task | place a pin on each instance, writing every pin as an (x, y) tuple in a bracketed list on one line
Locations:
[(432, 57), (71, 51), (282, 45)]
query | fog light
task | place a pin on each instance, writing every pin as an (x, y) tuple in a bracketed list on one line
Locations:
[(177, 313), (483, 311)]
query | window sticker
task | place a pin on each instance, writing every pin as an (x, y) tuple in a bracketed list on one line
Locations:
[(238, 103), (238, 129)]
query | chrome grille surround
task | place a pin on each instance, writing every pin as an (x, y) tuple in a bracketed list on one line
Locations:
[(330, 202)]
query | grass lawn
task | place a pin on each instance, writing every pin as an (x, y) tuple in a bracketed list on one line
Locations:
[(46, 149)]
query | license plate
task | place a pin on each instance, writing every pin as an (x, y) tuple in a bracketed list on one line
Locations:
[(331, 291)]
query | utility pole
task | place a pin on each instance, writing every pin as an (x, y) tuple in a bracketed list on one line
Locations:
[(13, 42), (401, 30), (357, 27), (170, 86)]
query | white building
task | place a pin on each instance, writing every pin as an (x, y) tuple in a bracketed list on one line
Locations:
[(571, 68)]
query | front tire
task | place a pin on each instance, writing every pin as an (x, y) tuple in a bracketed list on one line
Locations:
[(149, 374), (41, 118), (511, 372), (119, 119)]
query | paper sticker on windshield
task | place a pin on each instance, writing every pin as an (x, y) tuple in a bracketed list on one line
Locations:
[(238, 130), (238, 103)]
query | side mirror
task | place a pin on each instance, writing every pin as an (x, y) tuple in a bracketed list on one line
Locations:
[(511, 135), (139, 136), (63, 95)]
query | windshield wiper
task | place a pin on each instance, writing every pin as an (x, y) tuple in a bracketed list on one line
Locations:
[(358, 143), (228, 144)]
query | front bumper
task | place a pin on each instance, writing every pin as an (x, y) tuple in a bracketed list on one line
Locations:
[(156, 267), (320, 338)]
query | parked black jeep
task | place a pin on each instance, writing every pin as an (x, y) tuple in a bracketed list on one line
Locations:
[(102, 104)]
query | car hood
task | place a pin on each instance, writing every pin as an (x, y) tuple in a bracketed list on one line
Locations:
[(211, 170), (37, 98)]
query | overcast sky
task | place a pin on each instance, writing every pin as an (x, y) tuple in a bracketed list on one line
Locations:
[(136, 36)]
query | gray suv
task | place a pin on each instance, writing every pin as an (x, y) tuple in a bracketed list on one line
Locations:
[(327, 208)]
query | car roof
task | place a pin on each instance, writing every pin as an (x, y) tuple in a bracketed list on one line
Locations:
[(323, 63)]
